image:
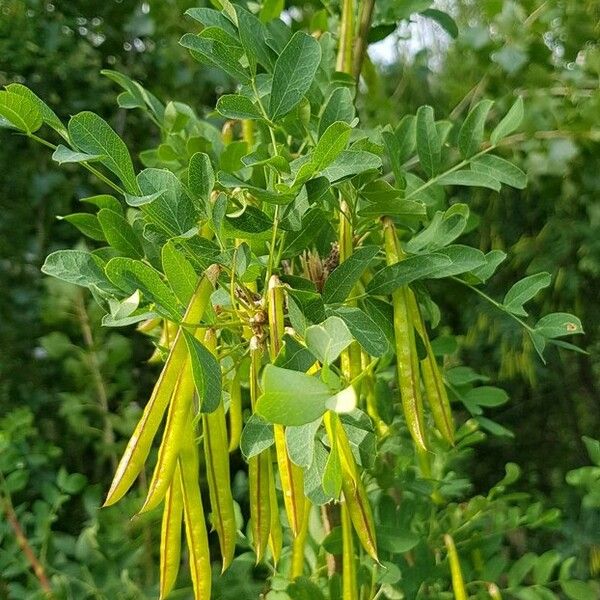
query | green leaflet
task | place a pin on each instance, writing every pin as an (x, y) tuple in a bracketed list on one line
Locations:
[(253, 35), (500, 169), (257, 436), (328, 339), (75, 266), (406, 271), (20, 112), (236, 106), (343, 278), (48, 115), (206, 372), (523, 291), (291, 397), (470, 135), (429, 145), (63, 155), (93, 135), (330, 145), (293, 73), (86, 223), (339, 107), (201, 180), (179, 272), (129, 274), (363, 328), (509, 123), (119, 233), (470, 178)]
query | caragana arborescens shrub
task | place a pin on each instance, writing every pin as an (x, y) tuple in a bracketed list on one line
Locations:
[(281, 264)]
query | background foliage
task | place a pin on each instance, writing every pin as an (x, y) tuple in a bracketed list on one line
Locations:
[(69, 388)]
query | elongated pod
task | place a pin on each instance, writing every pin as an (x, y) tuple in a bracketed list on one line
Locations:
[(458, 584), (291, 476), (177, 418), (193, 513), (406, 352), (235, 413), (355, 495), (437, 396), (170, 536), (258, 470), (214, 429), (139, 445)]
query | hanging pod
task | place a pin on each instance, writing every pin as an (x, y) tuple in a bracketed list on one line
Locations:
[(349, 587), (435, 390), (275, 531), (139, 445), (458, 584), (291, 476), (177, 418), (193, 513), (170, 536), (407, 359), (235, 412), (355, 494), (214, 430), (258, 470)]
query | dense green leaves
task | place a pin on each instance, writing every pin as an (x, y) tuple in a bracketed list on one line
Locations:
[(119, 233), (293, 73)]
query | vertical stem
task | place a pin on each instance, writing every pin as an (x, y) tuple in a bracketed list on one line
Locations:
[(344, 57), (360, 46), (23, 543), (94, 366)]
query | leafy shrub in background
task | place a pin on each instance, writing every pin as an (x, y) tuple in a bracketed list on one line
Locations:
[(287, 218)]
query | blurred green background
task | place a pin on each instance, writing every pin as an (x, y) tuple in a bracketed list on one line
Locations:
[(70, 390)]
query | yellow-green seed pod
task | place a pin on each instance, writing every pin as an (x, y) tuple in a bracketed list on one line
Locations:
[(170, 536), (214, 430), (348, 558), (193, 513), (291, 476), (435, 389), (275, 532), (458, 584), (258, 471), (177, 418), (235, 413), (139, 445), (406, 353)]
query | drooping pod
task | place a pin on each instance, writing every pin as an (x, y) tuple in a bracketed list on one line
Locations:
[(275, 531), (292, 478), (349, 587), (170, 536), (406, 352), (177, 418), (235, 412), (214, 430), (258, 470), (435, 390), (193, 513), (139, 445), (458, 584), (355, 494)]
